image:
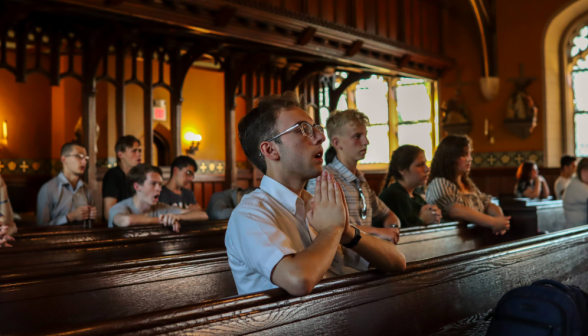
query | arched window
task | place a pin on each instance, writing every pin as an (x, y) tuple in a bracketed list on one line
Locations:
[(577, 69)]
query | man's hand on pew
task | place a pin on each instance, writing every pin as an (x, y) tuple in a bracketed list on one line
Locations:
[(5, 238), (170, 220)]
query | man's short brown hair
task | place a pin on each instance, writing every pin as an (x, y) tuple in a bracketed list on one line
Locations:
[(341, 118), (259, 125)]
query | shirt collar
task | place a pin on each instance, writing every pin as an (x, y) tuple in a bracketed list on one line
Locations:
[(346, 173), (283, 195), (63, 181)]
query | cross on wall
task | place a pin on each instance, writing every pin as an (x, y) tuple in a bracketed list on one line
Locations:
[(1, 166), (24, 166), (491, 160), (519, 158)]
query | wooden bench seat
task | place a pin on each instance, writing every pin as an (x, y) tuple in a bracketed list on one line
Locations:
[(184, 279), (431, 294)]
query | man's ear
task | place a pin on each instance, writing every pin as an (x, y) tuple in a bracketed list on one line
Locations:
[(119, 154), (335, 142), (270, 151), (136, 186)]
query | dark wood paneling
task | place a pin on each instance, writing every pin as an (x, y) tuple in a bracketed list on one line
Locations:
[(199, 193), (370, 16), (382, 17), (208, 191), (327, 10), (407, 8), (416, 23), (313, 8), (425, 24), (393, 19)]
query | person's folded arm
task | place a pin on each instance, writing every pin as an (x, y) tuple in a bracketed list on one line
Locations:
[(380, 253), (494, 210), (299, 273), (108, 202), (193, 215), (468, 215), (124, 220)]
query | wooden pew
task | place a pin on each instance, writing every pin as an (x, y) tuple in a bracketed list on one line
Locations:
[(547, 214), (145, 284), (81, 234), (431, 294)]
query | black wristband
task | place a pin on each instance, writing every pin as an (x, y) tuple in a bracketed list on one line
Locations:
[(355, 239)]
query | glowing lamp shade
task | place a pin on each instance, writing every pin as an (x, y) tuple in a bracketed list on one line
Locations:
[(191, 137)]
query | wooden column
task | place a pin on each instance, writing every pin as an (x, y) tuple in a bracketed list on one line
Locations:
[(89, 65), (148, 104), (120, 90), (177, 80), (230, 126)]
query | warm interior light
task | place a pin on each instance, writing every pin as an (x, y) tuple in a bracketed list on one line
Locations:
[(191, 136), (5, 132)]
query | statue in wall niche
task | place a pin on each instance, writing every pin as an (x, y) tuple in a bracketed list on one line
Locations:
[(79, 134), (455, 115), (521, 112)]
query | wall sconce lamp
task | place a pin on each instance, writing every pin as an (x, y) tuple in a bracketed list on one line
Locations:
[(489, 131), (4, 139), (193, 138)]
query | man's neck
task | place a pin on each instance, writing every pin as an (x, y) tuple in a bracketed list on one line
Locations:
[(564, 175), (348, 162), (173, 185), (71, 178), (141, 206), (295, 184), (124, 167)]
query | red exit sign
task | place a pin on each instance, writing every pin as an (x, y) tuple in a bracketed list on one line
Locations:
[(159, 113)]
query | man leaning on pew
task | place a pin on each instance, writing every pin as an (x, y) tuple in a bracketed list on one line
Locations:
[(144, 206), (279, 236)]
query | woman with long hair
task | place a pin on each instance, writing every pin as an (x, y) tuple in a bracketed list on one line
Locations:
[(409, 168), (575, 199), (450, 188), (529, 183)]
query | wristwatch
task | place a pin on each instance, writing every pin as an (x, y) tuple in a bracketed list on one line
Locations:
[(355, 239)]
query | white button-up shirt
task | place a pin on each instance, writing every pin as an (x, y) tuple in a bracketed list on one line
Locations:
[(267, 225)]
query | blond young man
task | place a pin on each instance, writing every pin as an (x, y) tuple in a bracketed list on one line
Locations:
[(347, 131)]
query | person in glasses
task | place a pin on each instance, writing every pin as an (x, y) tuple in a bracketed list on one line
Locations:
[(450, 188), (279, 235), (66, 198), (347, 131), (174, 192), (114, 185), (144, 206)]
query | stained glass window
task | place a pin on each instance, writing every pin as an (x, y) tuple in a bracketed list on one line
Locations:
[(580, 90)]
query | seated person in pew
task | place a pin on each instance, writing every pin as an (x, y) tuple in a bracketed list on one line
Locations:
[(114, 186), (7, 225), (450, 188), (568, 168), (174, 192), (530, 184), (409, 168), (222, 203), (144, 206), (575, 199), (67, 198), (279, 236), (347, 131)]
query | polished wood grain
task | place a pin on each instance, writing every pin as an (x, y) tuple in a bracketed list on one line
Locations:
[(430, 294)]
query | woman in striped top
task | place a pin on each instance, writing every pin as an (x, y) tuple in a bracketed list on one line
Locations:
[(450, 188)]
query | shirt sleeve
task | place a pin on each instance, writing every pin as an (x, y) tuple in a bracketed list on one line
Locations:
[(379, 209), (110, 186), (164, 209), (311, 186), (485, 198), (191, 198), (220, 206), (253, 238), (118, 208), (44, 207), (444, 194)]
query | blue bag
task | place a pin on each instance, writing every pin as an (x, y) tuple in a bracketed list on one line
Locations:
[(545, 308)]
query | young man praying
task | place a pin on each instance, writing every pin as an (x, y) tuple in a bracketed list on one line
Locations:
[(278, 235)]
